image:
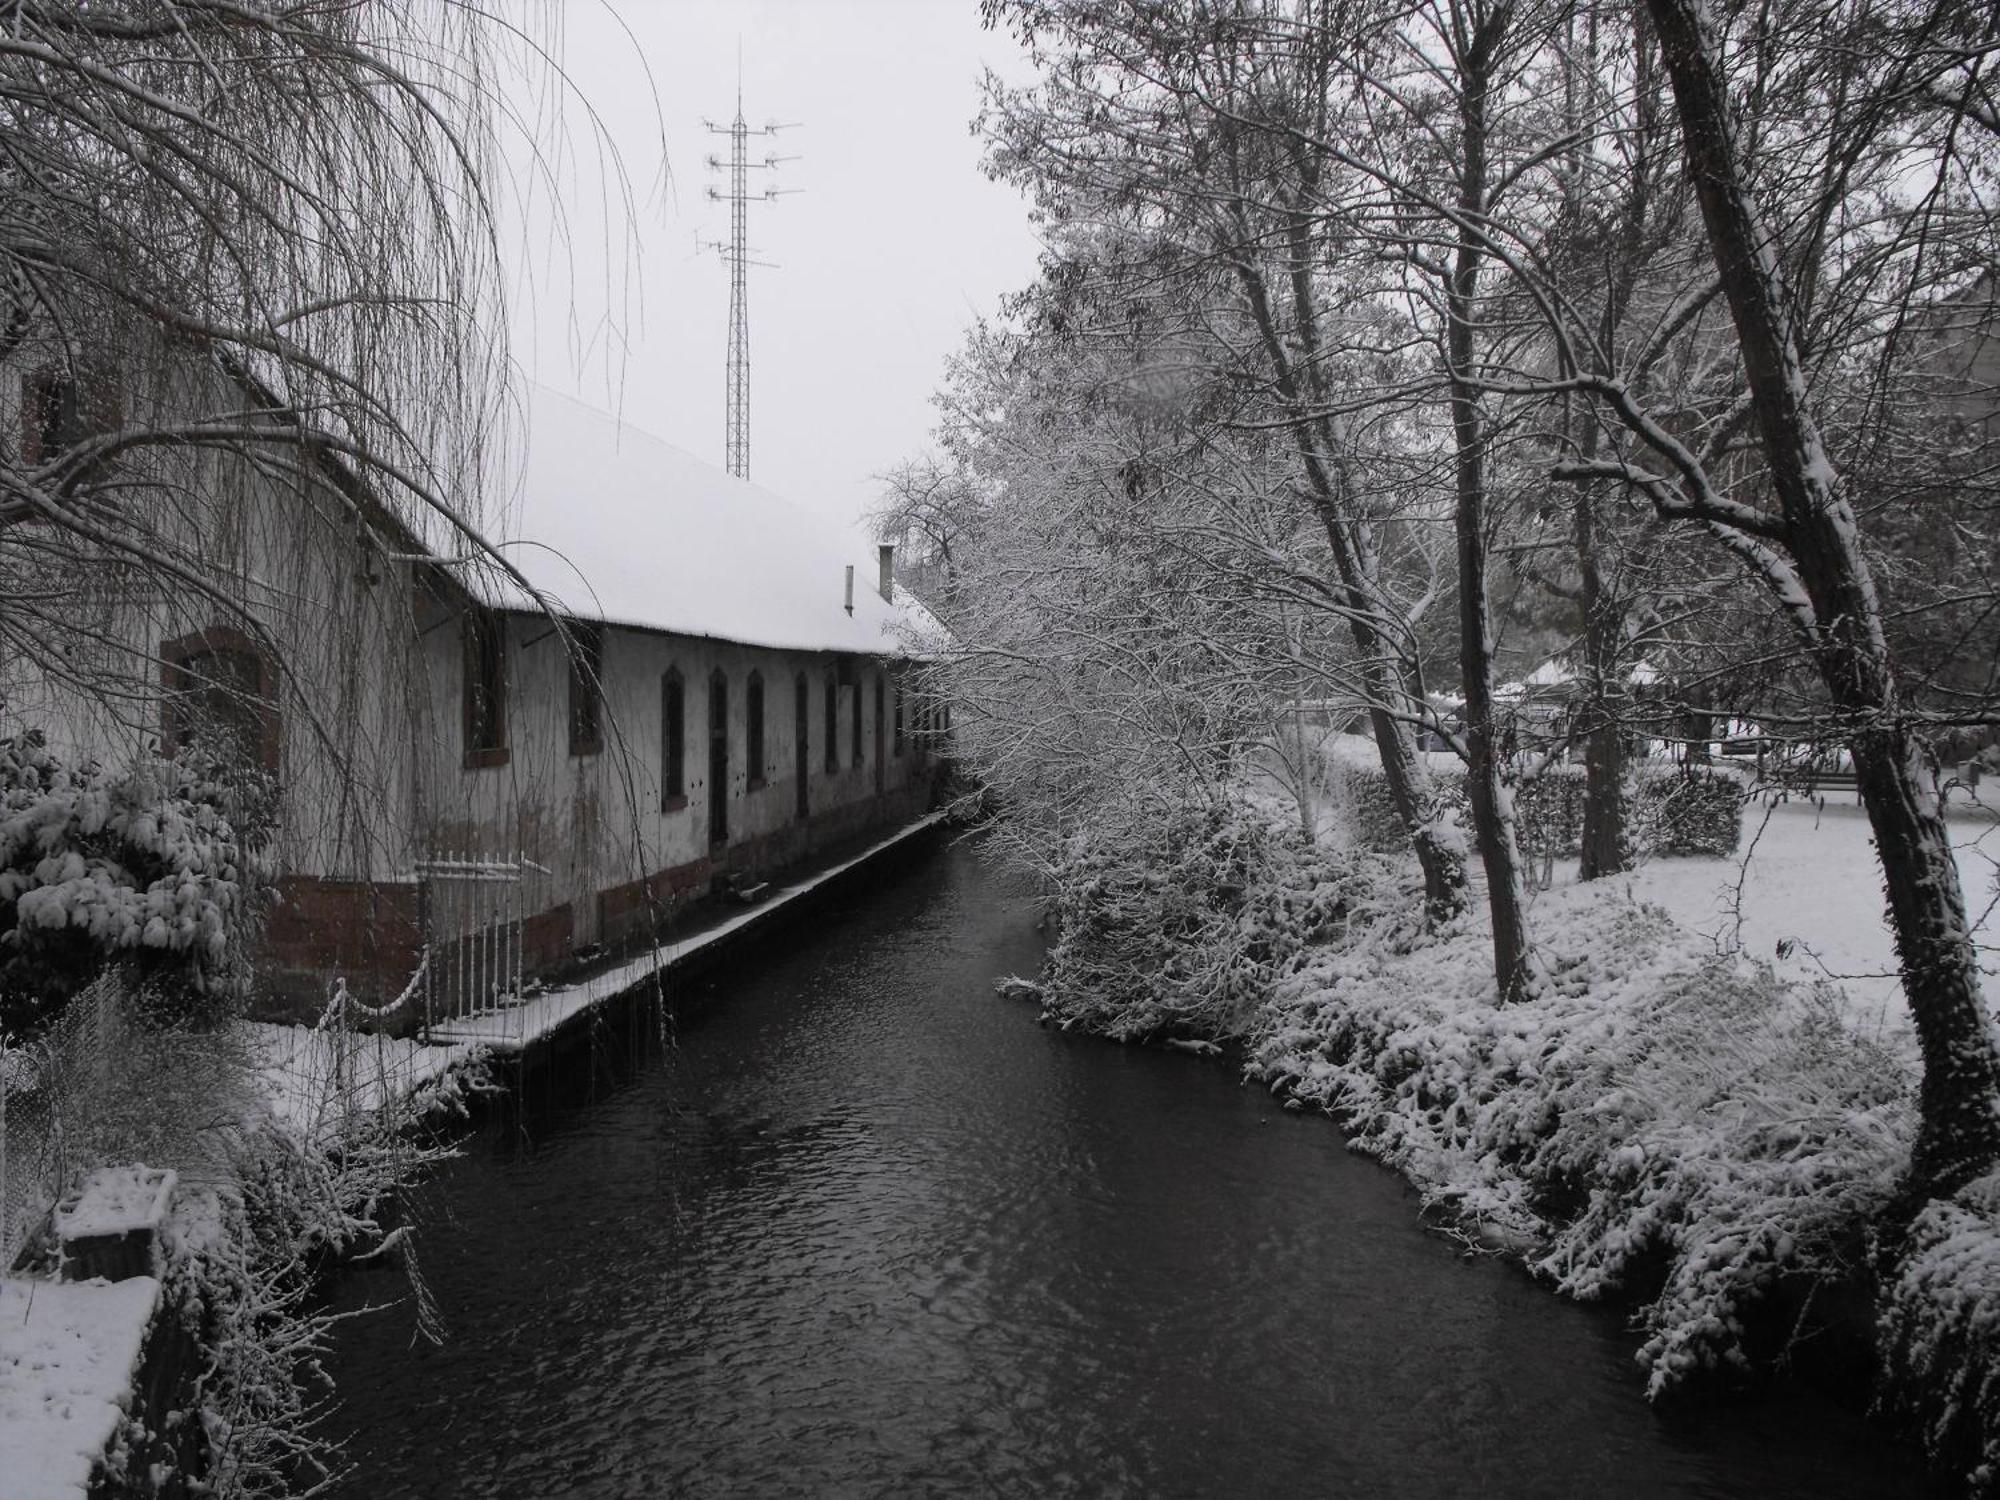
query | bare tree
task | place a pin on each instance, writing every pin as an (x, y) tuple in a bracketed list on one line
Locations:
[(248, 251), (252, 364), (1842, 280), (1181, 125), (926, 507)]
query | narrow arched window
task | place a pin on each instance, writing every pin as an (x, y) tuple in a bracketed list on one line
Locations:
[(718, 759), (898, 741), (586, 687), (673, 741), (753, 729), (484, 709), (801, 749), (832, 723)]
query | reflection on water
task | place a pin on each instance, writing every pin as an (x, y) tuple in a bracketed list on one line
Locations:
[(866, 1229)]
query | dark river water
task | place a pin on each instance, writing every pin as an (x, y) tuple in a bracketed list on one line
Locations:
[(864, 1228)]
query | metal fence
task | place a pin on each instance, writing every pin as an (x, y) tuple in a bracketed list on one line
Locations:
[(49, 1089), (475, 921)]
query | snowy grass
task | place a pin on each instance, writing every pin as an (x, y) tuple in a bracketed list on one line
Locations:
[(311, 1081), (1809, 901)]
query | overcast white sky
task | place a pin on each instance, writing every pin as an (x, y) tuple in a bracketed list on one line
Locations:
[(894, 245)]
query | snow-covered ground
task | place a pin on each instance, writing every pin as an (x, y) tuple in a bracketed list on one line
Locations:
[(304, 1075), (68, 1354), (1808, 899)]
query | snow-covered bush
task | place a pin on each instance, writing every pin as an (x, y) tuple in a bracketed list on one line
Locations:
[(1176, 921), (155, 867), (1690, 809), (1940, 1333), (1676, 809), (1662, 1124), (244, 1264)]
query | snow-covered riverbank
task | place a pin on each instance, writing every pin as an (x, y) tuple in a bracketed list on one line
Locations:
[(1708, 1112), (1710, 1109)]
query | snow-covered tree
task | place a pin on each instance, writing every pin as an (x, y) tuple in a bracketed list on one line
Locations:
[(1804, 544)]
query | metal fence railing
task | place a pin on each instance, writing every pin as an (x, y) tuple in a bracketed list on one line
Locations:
[(475, 914)]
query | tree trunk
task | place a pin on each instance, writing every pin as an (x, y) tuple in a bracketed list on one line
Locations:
[(1439, 846), (1958, 1136), (1515, 968), (1436, 840), (1391, 705), (1607, 842)]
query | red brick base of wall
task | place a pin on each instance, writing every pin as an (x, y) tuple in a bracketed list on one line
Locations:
[(372, 935), (369, 933), (638, 908)]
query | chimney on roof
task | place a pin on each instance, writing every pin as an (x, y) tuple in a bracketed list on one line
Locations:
[(886, 553), (850, 588)]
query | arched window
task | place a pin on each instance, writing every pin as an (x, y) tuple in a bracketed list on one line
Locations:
[(484, 680), (753, 729), (878, 718), (586, 687), (832, 723), (673, 741), (63, 404), (221, 692), (898, 741), (801, 751), (855, 758), (718, 758)]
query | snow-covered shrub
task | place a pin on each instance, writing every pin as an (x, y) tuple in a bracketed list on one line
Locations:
[(243, 1269), (1175, 921), (155, 867), (1369, 811), (1662, 1124), (1677, 810), (1690, 809), (1940, 1333)]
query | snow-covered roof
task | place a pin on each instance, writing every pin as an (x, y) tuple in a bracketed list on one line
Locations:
[(1555, 672), (610, 523)]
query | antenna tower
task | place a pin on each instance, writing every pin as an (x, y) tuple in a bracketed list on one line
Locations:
[(737, 255)]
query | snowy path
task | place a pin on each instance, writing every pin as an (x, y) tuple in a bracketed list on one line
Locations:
[(308, 1076)]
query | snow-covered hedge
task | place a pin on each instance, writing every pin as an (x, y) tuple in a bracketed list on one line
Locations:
[(1175, 921), (1677, 810), (1661, 1124), (1688, 809), (1940, 1328), (244, 1266), (154, 866)]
